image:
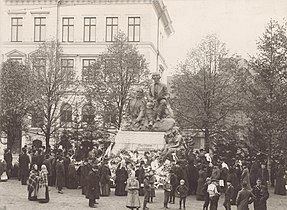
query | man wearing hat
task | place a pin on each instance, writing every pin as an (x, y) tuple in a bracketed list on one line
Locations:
[(158, 95), (93, 187), (261, 195)]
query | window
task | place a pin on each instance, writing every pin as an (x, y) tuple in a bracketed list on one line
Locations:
[(87, 74), (68, 30), (134, 29), (39, 29), (66, 113), (17, 60), (67, 67), (111, 28), (16, 29), (90, 29), (87, 63), (39, 64), (88, 113)]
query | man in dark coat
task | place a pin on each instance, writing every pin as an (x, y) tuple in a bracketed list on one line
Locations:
[(235, 182), (24, 161), (147, 189), (60, 175), (174, 183), (228, 196), (192, 172), (84, 176), (244, 197), (66, 162), (93, 187), (140, 174), (105, 174), (263, 174), (47, 162), (254, 172), (261, 195), (8, 158)]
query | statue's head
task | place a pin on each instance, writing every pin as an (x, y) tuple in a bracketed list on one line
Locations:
[(156, 77)]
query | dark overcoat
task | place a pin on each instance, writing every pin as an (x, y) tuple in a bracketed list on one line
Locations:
[(60, 174), (93, 187)]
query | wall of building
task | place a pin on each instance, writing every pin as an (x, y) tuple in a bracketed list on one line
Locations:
[(78, 49), (153, 33)]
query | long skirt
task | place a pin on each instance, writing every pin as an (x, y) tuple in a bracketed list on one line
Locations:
[(105, 189), (32, 194), (120, 188), (47, 197), (133, 200)]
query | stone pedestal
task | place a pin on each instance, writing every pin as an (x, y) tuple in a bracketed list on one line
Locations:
[(138, 141)]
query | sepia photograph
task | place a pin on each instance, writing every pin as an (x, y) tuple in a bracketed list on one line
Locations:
[(143, 104)]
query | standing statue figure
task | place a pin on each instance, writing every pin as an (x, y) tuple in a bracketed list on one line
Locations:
[(136, 109), (158, 95)]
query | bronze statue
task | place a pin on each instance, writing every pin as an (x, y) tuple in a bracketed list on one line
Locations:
[(136, 109), (158, 95), (173, 142), (153, 115)]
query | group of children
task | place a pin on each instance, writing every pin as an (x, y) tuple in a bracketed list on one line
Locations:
[(212, 193), (170, 187)]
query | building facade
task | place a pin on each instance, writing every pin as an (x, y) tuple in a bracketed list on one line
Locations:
[(84, 28)]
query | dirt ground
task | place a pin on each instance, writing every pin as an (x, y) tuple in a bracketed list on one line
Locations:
[(13, 196)]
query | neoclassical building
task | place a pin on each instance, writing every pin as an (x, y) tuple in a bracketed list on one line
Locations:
[(84, 28)]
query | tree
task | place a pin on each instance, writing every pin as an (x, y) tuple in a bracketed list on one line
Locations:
[(52, 84), (111, 78), (15, 85), (268, 93), (207, 89)]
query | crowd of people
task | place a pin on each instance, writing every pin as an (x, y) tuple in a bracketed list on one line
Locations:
[(241, 182)]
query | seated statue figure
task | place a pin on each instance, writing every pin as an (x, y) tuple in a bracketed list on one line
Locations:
[(136, 110), (173, 143), (158, 94)]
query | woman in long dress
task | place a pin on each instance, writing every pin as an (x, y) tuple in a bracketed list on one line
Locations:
[(33, 183), (200, 194), (132, 187), (121, 178), (43, 185)]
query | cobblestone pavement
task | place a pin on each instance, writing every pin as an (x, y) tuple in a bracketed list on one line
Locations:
[(13, 196)]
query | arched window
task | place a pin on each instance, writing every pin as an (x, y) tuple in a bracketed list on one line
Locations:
[(66, 113), (88, 113)]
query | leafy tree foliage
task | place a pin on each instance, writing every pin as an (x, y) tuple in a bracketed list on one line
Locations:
[(15, 85), (51, 85), (112, 77), (207, 89), (268, 102)]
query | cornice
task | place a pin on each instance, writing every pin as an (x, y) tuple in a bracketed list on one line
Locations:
[(163, 14)]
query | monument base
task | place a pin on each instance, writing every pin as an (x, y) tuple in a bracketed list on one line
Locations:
[(138, 141)]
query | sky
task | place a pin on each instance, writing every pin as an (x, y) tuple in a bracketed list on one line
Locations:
[(238, 23)]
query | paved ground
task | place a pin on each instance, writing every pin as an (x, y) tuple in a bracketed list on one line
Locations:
[(13, 196)]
